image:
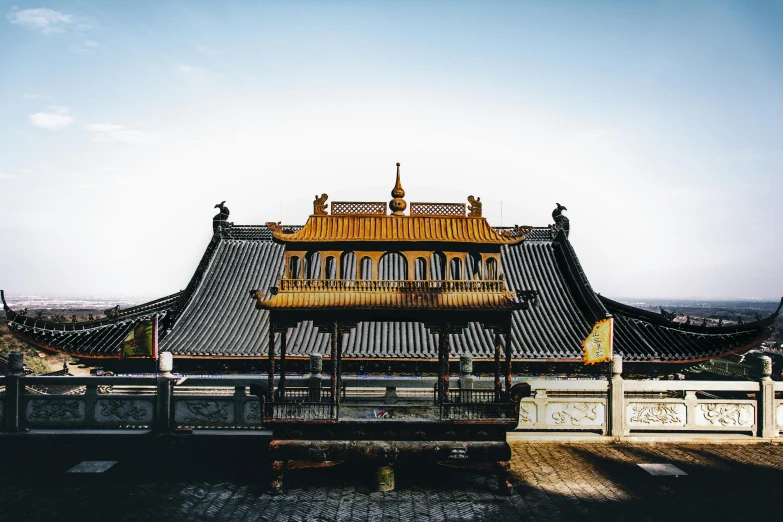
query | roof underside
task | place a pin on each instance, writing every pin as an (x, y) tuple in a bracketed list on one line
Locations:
[(215, 316)]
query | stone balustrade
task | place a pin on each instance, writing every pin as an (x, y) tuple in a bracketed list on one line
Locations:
[(166, 403)]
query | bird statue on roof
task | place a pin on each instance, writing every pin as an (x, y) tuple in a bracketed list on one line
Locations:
[(561, 221), (668, 316), (221, 217)]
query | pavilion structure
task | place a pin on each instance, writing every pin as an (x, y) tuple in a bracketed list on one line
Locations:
[(360, 264)]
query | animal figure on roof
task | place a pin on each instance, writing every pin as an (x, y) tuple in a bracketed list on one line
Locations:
[(561, 221), (320, 205), (475, 207), (221, 217), (669, 316)]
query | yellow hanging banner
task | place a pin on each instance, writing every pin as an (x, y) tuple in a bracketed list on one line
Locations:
[(598, 344), (142, 340)]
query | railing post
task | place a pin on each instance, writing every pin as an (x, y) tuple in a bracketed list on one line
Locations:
[(767, 399), (314, 382), (164, 422), (13, 391), (617, 399), (466, 379)]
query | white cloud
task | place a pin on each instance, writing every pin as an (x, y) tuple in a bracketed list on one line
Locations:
[(55, 120), (30, 96), (197, 73), (8, 176), (207, 50), (46, 21), (112, 133), (86, 47)]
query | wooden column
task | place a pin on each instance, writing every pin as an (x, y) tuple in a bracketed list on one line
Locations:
[(507, 369), (271, 354), (339, 366), (335, 370), (281, 383), (443, 364), (497, 366)]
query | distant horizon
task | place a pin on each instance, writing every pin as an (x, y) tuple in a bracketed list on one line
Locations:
[(658, 125), (11, 297)]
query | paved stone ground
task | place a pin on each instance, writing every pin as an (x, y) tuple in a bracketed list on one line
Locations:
[(220, 480)]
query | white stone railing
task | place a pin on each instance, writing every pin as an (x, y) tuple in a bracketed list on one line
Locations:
[(690, 413), (565, 405), (778, 387), (620, 407)]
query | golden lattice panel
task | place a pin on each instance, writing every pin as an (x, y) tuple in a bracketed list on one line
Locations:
[(437, 209), (343, 208)]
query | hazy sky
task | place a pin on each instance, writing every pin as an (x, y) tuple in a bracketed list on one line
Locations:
[(658, 124)]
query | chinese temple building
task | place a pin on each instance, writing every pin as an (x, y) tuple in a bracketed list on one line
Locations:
[(377, 290)]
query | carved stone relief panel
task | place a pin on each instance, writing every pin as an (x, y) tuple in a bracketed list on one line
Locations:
[(252, 412), (57, 412), (123, 411), (527, 414), (198, 412), (575, 414), (641, 414), (725, 414)]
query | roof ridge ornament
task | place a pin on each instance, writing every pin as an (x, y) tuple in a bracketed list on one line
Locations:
[(221, 218), (397, 204), (475, 207), (320, 205), (561, 221)]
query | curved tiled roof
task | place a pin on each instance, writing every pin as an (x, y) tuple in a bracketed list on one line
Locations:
[(214, 315), (355, 228), (100, 338)]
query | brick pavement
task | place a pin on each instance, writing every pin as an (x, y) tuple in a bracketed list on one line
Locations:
[(216, 480)]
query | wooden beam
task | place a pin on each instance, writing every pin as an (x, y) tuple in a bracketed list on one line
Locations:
[(335, 369), (281, 383), (507, 369)]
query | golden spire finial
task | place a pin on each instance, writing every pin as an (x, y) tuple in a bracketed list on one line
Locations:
[(398, 205)]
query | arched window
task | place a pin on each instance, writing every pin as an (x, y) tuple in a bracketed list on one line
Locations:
[(330, 268), (393, 266), (455, 269), (438, 266), (365, 269), (348, 265), (294, 266), (492, 269), (420, 269), (473, 267), (313, 265)]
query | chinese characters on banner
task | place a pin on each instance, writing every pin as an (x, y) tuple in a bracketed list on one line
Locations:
[(142, 341), (598, 344)]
